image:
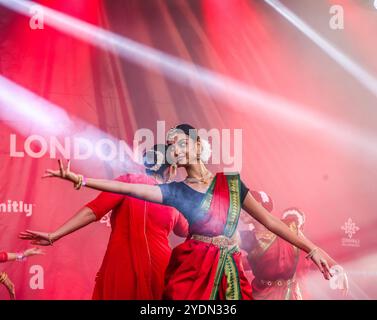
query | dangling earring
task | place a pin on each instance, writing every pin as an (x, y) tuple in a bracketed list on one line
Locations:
[(198, 153), (172, 172), (200, 167)]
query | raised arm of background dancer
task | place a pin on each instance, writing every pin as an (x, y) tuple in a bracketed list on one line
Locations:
[(275, 225), (82, 218), (10, 256), (141, 191)]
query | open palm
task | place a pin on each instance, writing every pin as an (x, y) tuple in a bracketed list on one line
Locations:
[(36, 237), (63, 173)]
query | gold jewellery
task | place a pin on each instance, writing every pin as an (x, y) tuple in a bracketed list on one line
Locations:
[(203, 179), (79, 183), (311, 253), (50, 240), (3, 277)]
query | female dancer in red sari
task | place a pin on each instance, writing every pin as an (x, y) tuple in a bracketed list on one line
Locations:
[(207, 265), (138, 251), (275, 263)]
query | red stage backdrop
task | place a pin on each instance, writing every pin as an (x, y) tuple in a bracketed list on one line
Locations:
[(94, 94)]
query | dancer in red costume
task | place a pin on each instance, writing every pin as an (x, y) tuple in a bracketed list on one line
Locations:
[(10, 256), (138, 250), (275, 262), (207, 265)]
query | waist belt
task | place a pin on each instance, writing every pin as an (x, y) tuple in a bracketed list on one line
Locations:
[(219, 241), (278, 283)]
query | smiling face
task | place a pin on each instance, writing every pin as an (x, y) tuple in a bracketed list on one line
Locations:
[(182, 149)]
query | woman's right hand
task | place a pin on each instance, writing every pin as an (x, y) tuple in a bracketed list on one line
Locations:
[(63, 173), (319, 258), (10, 287), (33, 252), (37, 237)]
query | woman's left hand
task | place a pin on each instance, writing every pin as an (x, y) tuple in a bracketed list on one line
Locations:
[(319, 259), (63, 173)]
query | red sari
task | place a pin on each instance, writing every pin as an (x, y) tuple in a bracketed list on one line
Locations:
[(138, 251), (201, 271), (274, 264), (3, 257)]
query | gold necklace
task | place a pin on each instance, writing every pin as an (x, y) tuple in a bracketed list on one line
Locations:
[(204, 179)]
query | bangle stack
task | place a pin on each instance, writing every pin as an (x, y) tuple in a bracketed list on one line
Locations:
[(79, 183), (50, 240), (311, 253), (3, 277), (20, 256)]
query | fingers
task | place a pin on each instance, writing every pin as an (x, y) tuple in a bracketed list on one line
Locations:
[(31, 235), (318, 263), (68, 165), (325, 273), (321, 268), (326, 269), (23, 234), (37, 233), (12, 293), (26, 235), (38, 251), (51, 173), (40, 242), (29, 232), (61, 168)]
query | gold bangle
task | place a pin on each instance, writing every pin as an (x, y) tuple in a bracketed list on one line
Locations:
[(50, 240), (311, 253), (78, 185)]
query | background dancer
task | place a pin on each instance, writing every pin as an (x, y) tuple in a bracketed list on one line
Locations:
[(276, 264), (138, 250)]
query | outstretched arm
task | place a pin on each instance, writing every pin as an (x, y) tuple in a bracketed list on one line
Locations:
[(11, 256), (141, 191), (91, 212), (82, 218), (275, 225)]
